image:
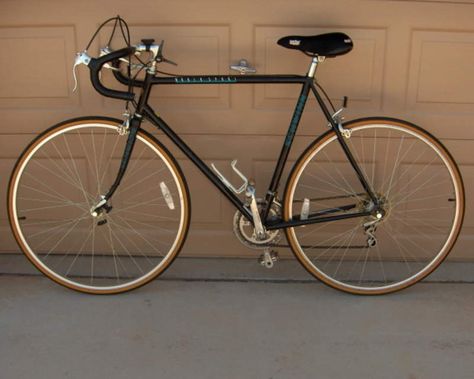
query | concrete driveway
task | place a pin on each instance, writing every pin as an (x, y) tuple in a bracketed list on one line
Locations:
[(234, 329)]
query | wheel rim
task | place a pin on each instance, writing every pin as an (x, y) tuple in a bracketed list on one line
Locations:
[(337, 253), (141, 235)]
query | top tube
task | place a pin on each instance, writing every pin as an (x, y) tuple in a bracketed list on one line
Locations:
[(216, 79), (230, 79)]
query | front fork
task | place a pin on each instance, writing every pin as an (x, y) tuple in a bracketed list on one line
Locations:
[(102, 205), (134, 125)]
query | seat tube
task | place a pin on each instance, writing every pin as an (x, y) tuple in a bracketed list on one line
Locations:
[(285, 150)]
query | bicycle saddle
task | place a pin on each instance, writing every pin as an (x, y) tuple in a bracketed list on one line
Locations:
[(327, 45)]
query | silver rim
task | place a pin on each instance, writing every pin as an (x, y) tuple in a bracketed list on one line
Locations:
[(59, 182), (423, 209)]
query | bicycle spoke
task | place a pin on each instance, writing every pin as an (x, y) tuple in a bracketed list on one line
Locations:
[(385, 181), (140, 235), (78, 254), (373, 158), (123, 229), (75, 167), (113, 252), (128, 252), (395, 166), (58, 195), (351, 189), (101, 181), (134, 184), (344, 254)]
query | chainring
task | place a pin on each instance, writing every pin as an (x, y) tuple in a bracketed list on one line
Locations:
[(245, 232)]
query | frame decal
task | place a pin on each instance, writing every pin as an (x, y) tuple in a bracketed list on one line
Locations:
[(295, 120), (205, 79)]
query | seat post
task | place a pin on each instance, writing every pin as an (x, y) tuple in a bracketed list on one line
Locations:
[(314, 65)]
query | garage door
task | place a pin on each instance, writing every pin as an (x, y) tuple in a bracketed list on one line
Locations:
[(412, 60)]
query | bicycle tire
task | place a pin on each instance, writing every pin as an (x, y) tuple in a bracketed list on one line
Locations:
[(346, 245), (150, 147)]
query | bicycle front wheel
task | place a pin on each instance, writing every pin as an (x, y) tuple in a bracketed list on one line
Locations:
[(421, 193), (58, 181)]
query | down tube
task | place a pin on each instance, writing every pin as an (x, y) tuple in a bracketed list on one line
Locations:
[(160, 123)]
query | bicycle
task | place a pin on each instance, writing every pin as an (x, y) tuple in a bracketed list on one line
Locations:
[(100, 205)]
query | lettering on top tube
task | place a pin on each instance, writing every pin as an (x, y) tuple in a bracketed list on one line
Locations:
[(295, 120), (207, 79)]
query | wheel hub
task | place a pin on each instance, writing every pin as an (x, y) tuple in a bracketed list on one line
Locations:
[(378, 216), (100, 210)]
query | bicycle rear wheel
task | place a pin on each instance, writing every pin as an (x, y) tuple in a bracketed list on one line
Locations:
[(422, 196), (59, 179)]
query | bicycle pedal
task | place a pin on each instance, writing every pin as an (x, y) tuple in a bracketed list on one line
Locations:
[(268, 259)]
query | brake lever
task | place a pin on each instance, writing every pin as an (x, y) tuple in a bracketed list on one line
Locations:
[(104, 51), (81, 58), (107, 50)]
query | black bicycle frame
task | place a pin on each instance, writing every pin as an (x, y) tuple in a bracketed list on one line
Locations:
[(307, 85)]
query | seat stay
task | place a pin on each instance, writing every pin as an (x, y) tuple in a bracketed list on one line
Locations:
[(362, 179)]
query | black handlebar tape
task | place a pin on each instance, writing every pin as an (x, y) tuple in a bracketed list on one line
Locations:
[(121, 78), (95, 65)]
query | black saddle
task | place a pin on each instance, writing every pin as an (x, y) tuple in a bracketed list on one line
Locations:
[(326, 45)]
